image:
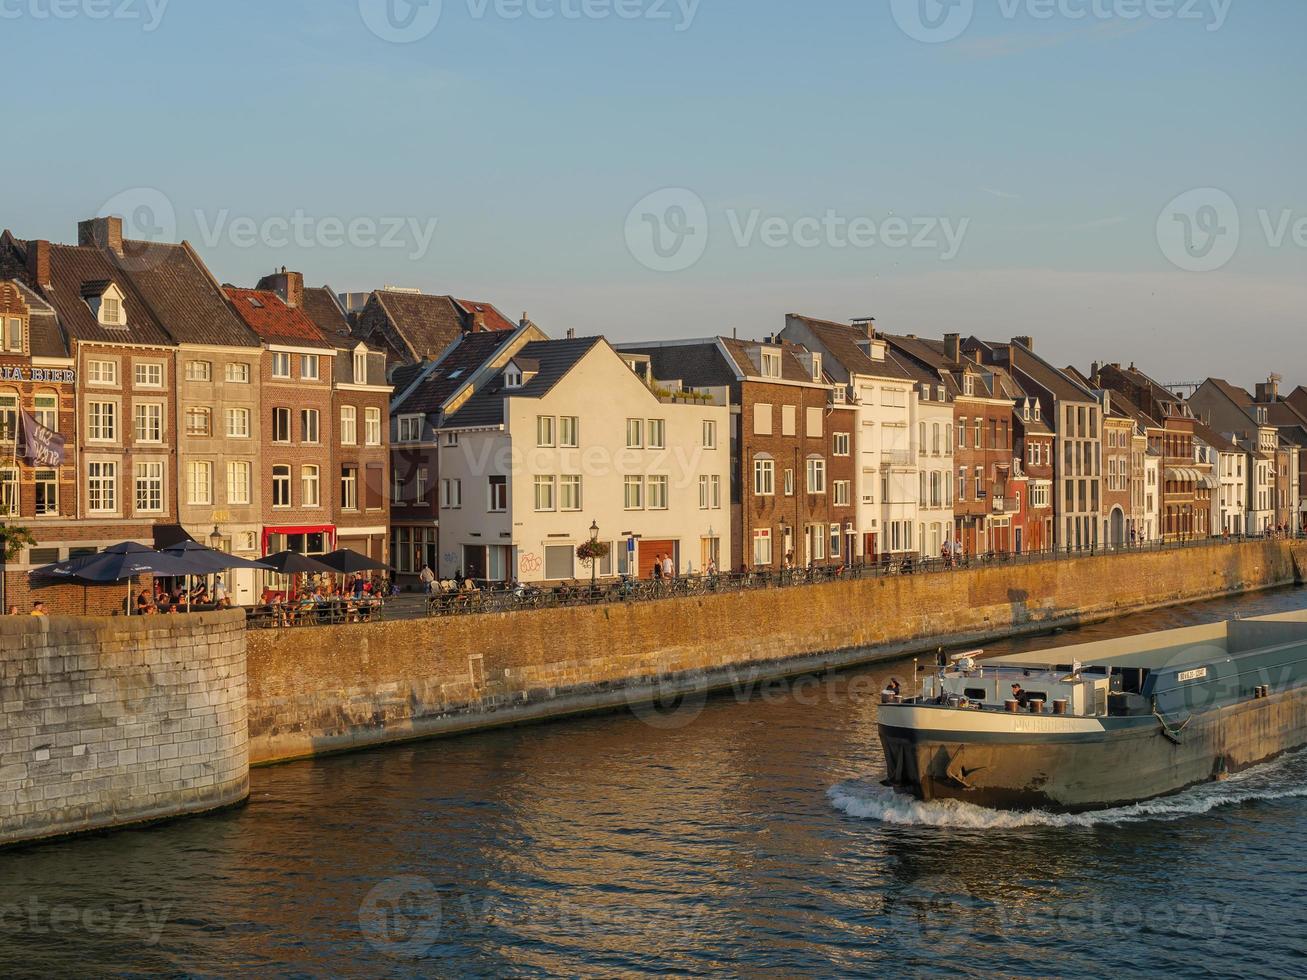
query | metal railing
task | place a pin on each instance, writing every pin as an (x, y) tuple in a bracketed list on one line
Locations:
[(510, 598), (336, 611)]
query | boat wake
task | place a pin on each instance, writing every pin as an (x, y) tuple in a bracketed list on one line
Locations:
[(1285, 778)]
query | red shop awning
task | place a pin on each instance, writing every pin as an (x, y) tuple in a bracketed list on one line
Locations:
[(328, 529)]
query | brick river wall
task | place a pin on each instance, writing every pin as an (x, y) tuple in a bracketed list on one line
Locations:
[(338, 688), (114, 721)]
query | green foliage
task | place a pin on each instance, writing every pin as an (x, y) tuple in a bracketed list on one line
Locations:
[(13, 539), (593, 551)]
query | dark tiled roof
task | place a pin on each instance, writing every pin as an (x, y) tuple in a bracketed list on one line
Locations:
[(323, 309), (453, 371), (72, 268), (1236, 394), (274, 321), (792, 368), (699, 364), (1043, 374), (188, 302), (46, 339), (428, 324), (555, 357), (1214, 439), (842, 341)]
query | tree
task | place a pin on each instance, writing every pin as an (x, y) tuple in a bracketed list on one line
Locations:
[(13, 539)]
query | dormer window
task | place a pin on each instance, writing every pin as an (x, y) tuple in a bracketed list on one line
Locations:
[(969, 385), (361, 366), (816, 368), (771, 364), (106, 302), (12, 339), (1026, 412), (1036, 411), (512, 377)]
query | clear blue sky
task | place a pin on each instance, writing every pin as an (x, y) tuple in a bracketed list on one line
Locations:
[(1053, 142)]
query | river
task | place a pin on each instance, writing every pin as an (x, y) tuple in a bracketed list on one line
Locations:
[(742, 836)]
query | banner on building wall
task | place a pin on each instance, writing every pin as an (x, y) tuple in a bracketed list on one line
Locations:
[(41, 446)]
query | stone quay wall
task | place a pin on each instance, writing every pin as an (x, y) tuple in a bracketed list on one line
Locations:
[(332, 689), (115, 721)]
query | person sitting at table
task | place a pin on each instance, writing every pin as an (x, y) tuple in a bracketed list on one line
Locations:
[(144, 603)]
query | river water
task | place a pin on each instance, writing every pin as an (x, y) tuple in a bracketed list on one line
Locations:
[(742, 836)]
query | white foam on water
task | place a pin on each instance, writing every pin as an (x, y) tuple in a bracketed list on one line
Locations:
[(1286, 778)]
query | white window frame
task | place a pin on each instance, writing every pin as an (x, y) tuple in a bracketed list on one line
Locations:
[(103, 472), (349, 425), (281, 365), (310, 485), (238, 373), (199, 371), (546, 494), (310, 367), (148, 368), (238, 485), (199, 492), (155, 472), (764, 477)]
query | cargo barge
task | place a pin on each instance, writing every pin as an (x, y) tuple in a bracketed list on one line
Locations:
[(1102, 724)]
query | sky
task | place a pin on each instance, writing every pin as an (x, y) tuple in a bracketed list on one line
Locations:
[(1121, 179)]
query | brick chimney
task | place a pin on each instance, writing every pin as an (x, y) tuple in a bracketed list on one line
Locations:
[(106, 233), (38, 262), (1268, 391), (525, 319), (478, 320), (953, 347), (1027, 342), (288, 285)]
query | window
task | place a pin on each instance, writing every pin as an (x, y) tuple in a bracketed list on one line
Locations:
[(762, 419), (841, 446), (199, 483), (894, 397), (280, 364), (149, 488), (9, 491), (634, 493), (512, 377), (149, 422), (310, 488), (789, 420), (238, 374), (634, 433), (111, 311), (544, 494), (816, 369), (658, 493), (47, 492), (360, 367), (281, 486), (764, 478), (771, 364), (309, 425), (309, 367), (789, 483), (716, 493), (498, 500), (569, 493), (657, 434), (835, 540), (560, 562), (451, 440), (762, 548), (13, 338), (104, 373), (349, 425), (569, 432), (921, 440), (841, 490), (409, 428), (238, 482), (709, 435), (47, 411), (420, 487), (546, 436), (962, 433), (816, 475), (936, 447), (102, 421), (238, 423), (962, 484), (102, 487), (149, 374), (281, 425), (372, 426), (197, 422), (814, 423), (349, 488), (200, 371), (451, 494), (705, 494), (396, 488)]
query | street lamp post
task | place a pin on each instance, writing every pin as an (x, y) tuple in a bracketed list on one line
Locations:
[(594, 561)]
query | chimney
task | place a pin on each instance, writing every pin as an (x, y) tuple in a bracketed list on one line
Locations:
[(1269, 390), (868, 325), (953, 347), (106, 233), (525, 319), (1027, 342), (38, 262), (288, 285), (478, 320), (571, 333)]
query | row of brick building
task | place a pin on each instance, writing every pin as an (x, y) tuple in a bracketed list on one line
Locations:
[(427, 430)]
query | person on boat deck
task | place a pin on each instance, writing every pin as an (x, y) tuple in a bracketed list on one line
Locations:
[(1019, 695), (892, 687)]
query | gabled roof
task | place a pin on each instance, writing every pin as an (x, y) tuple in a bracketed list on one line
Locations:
[(188, 301), (45, 337), (843, 342), (490, 315), (74, 268), (324, 309), (1239, 396), (556, 358), (1216, 440), (696, 363), (275, 322), (428, 324), (443, 380), (1027, 364), (792, 368)]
